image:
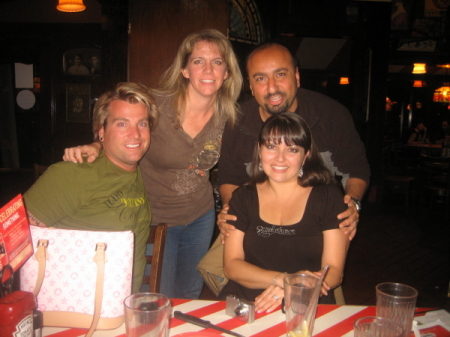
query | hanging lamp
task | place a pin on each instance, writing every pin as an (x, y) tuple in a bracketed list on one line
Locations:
[(70, 6), (419, 68), (419, 84), (344, 81)]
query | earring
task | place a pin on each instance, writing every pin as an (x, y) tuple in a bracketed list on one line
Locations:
[(300, 172), (260, 167)]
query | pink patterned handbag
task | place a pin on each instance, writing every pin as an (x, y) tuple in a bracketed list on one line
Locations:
[(80, 277)]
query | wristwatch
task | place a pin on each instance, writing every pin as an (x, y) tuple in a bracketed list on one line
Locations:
[(357, 204)]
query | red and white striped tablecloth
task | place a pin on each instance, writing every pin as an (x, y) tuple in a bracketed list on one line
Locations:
[(331, 321)]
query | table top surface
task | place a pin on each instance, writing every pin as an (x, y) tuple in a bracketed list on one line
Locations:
[(331, 320)]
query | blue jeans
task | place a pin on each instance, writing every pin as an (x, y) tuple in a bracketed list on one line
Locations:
[(185, 247)]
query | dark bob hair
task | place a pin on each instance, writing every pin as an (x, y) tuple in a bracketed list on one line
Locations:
[(291, 129)]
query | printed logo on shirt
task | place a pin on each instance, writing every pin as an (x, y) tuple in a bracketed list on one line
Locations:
[(199, 165), (132, 202), (127, 201), (207, 158), (268, 231)]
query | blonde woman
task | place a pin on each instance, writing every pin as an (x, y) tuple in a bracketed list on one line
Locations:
[(196, 97)]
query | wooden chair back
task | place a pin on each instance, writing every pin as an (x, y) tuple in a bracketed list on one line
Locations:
[(157, 237)]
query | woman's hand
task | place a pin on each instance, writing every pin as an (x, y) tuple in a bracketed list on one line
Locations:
[(325, 287), (270, 299), (75, 154), (225, 227)]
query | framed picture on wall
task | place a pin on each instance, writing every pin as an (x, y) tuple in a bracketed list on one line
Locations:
[(82, 62), (78, 98)]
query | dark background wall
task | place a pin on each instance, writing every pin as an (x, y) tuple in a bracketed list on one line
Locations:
[(41, 39), (138, 39)]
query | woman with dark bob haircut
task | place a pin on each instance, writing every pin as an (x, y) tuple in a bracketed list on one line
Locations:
[(286, 215), (293, 130)]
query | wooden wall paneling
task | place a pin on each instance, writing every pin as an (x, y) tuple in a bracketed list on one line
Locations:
[(158, 27), (114, 43)]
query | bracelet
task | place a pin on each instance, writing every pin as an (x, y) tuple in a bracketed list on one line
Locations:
[(276, 278)]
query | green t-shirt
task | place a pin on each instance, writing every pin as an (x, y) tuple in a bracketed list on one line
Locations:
[(94, 196)]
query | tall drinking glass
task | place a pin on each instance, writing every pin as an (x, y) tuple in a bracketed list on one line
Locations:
[(147, 314), (301, 295), (396, 301)]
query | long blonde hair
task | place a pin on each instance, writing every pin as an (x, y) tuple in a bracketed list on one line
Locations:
[(172, 82)]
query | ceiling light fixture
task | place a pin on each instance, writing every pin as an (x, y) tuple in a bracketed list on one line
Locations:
[(344, 81), (419, 68), (418, 84), (71, 6)]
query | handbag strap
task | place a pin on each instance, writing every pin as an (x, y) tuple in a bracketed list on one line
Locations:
[(99, 259), (41, 257)]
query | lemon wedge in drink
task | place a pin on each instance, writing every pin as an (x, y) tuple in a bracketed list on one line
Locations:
[(303, 333)]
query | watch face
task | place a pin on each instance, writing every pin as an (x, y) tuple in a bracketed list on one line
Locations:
[(357, 204)]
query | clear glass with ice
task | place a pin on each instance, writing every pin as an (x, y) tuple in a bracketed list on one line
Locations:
[(301, 295)]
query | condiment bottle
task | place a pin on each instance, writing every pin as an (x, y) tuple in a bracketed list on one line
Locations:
[(16, 312), (37, 323)]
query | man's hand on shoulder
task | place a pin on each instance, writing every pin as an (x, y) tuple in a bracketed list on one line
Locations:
[(225, 227), (76, 154), (350, 216), (354, 190)]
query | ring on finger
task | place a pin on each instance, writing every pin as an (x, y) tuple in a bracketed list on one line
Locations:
[(275, 297)]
